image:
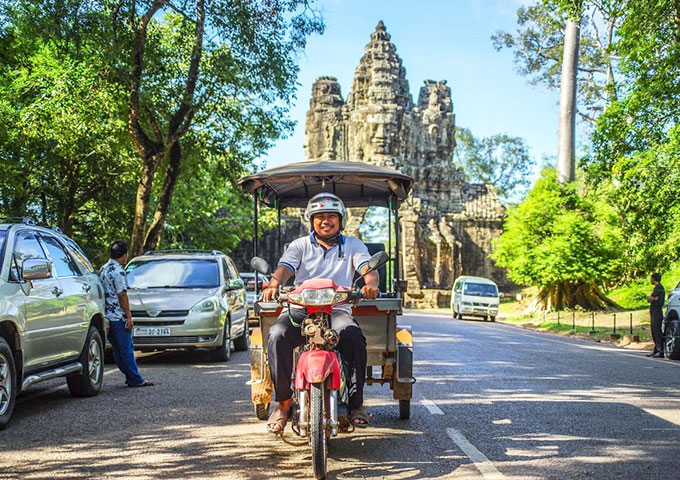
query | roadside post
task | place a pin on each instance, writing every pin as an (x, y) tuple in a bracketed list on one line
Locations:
[(629, 336), (573, 321), (558, 318), (614, 335), (592, 328)]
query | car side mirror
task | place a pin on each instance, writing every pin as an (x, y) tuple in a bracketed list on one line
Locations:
[(501, 295), (260, 265), (36, 269), (235, 284)]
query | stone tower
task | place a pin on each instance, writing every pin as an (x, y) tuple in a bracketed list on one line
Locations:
[(447, 224)]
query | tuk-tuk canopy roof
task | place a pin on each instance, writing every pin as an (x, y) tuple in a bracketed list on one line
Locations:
[(358, 184)]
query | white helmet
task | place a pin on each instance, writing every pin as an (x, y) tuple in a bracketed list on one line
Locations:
[(325, 202)]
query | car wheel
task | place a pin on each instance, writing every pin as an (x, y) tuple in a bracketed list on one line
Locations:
[(8, 377), (493, 318), (223, 352), (89, 381), (672, 340), (243, 341)]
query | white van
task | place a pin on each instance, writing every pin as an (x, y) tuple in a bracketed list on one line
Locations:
[(475, 296)]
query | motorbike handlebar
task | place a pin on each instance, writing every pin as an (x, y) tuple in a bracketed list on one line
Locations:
[(353, 296)]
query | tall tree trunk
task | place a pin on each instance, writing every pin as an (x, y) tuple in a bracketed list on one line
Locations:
[(567, 128), (142, 199), (152, 151), (154, 235)]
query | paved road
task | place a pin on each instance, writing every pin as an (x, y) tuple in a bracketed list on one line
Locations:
[(492, 402)]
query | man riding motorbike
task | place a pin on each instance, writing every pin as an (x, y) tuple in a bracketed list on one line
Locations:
[(325, 253)]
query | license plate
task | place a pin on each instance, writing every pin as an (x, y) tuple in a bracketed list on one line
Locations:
[(151, 332)]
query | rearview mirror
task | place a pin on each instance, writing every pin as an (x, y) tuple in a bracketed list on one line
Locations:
[(235, 284), (36, 269), (260, 265), (378, 260)]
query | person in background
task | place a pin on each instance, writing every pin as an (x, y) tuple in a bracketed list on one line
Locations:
[(656, 300), (114, 280)]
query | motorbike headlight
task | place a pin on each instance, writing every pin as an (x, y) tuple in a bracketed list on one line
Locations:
[(295, 298), (323, 296), (205, 305), (339, 297)]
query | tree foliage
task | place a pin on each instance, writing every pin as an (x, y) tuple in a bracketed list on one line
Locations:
[(221, 67), (635, 160), (566, 243), (63, 152), (77, 94), (500, 160), (538, 46)]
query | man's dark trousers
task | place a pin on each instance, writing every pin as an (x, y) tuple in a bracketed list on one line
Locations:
[(656, 315), (284, 337)]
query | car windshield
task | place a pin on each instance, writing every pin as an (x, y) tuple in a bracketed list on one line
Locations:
[(3, 235), (481, 289), (173, 274)]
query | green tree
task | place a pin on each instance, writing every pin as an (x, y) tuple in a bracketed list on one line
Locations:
[(68, 82), (636, 145), (500, 160), (567, 244), (538, 45), (222, 67), (64, 154)]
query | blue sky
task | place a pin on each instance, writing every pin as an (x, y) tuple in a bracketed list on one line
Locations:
[(438, 40)]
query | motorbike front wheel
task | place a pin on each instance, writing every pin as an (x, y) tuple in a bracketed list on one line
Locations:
[(317, 431)]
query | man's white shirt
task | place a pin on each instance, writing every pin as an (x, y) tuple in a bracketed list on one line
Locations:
[(307, 258)]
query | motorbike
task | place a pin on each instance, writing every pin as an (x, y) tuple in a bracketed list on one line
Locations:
[(389, 344), (319, 385)]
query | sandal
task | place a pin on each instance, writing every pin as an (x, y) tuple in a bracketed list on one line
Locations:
[(278, 419), (359, 417), (145, 383)]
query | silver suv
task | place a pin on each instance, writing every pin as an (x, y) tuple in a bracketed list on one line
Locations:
[(51, 313), (187, 299)]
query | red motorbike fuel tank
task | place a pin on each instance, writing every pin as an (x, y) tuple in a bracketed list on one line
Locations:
[(316, 366)]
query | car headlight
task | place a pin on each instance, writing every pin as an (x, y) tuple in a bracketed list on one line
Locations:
[(324, 296), (205, 305)]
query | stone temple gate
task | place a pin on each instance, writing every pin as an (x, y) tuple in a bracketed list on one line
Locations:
[(447, 224)]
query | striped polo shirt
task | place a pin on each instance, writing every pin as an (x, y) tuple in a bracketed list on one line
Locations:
[(307, 258)]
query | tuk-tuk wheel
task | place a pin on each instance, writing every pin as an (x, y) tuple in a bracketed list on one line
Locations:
[(261, 411), (404, 409)]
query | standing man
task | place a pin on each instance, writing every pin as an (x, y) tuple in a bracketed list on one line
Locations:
[(656, 300), (114, 280), (324, 253)]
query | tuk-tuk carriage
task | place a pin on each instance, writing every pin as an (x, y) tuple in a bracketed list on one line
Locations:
[(389, 346)]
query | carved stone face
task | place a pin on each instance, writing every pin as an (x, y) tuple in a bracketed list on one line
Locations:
[(382, 132)]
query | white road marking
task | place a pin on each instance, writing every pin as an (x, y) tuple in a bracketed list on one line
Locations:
[(483, 464), (432, 407)]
